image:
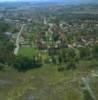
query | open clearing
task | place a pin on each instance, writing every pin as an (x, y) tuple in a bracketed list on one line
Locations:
[(44, 83)]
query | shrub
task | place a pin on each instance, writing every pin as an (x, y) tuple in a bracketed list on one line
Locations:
[(24, 63)]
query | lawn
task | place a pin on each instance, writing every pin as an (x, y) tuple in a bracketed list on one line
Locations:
[(27, 51)]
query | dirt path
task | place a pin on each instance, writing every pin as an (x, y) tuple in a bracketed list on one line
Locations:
[(87, 86), (17, 40)]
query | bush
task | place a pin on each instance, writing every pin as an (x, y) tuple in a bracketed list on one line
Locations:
[(24, 63), (60, 69), (71, 65), (1, 66)]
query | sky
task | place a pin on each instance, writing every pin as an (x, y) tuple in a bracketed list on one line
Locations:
[(67, 1), (47, 0)]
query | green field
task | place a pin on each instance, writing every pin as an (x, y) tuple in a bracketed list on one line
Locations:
[(44, 83), (27, 51)]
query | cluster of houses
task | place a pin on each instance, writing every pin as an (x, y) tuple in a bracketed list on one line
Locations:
[(55, 36)]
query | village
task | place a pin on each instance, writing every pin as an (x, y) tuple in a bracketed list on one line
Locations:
[(48, 52), (58, 36)]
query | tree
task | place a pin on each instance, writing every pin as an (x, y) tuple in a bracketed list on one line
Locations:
[(3, 27), (72, 58), (1, 66), (95, 50), (71, 64), (10, 46), (84, 52), (24, 63)]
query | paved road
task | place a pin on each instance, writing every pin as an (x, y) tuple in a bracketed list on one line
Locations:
[(17, 40)]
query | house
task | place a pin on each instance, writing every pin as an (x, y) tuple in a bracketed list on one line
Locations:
[(8, 33)]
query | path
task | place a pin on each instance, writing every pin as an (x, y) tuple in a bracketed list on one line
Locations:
[(17, 40), (87, 86)]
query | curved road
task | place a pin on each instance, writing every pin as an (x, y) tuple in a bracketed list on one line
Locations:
[(17, 40)]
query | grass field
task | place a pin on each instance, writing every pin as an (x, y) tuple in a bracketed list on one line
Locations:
[(27, 51), (44, 83)]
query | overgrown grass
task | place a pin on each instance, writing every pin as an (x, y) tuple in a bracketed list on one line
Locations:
[(45, 83)]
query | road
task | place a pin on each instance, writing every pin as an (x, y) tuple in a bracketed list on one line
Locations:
[(17, 40)]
